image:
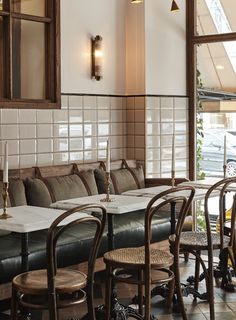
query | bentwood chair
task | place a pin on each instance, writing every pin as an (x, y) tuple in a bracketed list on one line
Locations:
[(55, 288), (196, 241), (142, 265)]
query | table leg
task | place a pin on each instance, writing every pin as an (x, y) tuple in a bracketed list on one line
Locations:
[(25, 314), (24, 252)]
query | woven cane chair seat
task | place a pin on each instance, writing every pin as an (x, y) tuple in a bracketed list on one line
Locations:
[(136, 256), (198, 240), (36, 281)]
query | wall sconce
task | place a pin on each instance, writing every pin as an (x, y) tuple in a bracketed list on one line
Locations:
[(97, 55), (136, 1), (174, 6)]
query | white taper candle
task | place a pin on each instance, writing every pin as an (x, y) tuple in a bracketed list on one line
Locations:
[(225, 151), (173, 153), (5, 163), (108, 164)]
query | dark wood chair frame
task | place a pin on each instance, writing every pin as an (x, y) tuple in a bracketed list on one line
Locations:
[(51, 301), (145, 269), (208, 271)]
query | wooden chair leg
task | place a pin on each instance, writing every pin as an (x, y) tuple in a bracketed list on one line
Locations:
[(147, 296), (211, 287), (186, 256), (140, 292), (197, 271), (169, 299), (178, 288), (108, 293), (14, 304), (52, 309)]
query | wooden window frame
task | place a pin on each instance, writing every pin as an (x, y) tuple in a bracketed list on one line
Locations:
[(192, 40), (52, 57)]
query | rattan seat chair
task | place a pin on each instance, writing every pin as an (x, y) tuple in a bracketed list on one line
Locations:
[(142, 265), (55, 288), (195, 242)]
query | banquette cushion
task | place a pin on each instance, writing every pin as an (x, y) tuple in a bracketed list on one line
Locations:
[(37, 193), (66, 187), (123, 180)]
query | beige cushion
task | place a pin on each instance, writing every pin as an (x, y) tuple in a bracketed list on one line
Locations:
[(66, 187), (88, 178), (123, 180), (100, 177), (139, 175), (17, 193), (37, 193)]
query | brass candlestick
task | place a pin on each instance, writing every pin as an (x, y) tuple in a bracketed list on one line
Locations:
[(224, 170), (5, 215), (172, 178), (108, 183)]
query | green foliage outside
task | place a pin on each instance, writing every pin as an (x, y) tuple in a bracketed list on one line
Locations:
[(199, 157)]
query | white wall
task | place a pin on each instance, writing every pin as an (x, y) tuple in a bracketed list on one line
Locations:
[(144, 47), (80, 20), (165, 48), (135, 49)]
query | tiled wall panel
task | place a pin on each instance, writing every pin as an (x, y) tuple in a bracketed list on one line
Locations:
[(139, 128), (166, 116), (77, 132)]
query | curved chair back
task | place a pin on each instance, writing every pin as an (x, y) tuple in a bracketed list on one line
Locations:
[(57, 228), (222, 186), (183, 195)]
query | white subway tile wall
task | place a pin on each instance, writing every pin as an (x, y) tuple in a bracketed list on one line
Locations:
[(139, 128), (166, 116), (77, 132)]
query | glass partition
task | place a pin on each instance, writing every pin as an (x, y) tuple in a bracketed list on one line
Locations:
[(28, 58), (31, 7)]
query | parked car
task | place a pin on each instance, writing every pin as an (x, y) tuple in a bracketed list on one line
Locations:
[(213, 152)]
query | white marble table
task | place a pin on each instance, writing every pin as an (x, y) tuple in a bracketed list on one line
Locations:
[(206, 183), (29, 218), (153, 191), (26, 219), (120, 203)]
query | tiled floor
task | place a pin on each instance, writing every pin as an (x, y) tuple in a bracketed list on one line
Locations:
[(225, 303)]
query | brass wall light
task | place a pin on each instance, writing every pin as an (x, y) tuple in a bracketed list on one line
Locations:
[(97, 56), (174, 6), (136, 1)]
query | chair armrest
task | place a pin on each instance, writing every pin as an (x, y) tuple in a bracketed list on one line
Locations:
[(154, 182)]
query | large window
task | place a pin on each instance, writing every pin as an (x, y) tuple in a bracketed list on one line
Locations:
[(29, 54), (211, 43)]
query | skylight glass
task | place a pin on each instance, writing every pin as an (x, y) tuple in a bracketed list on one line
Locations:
[(223, 26)]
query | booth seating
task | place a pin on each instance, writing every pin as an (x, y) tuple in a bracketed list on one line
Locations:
[(40, 186)]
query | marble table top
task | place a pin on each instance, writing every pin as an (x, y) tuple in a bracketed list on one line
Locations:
[(29, 218), (120, 203)]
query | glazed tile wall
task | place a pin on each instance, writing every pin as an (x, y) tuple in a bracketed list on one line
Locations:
[(165, 116), (139, 128), (77, 132)]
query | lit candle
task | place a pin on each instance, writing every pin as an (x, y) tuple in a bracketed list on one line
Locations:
[(173, 154), (5, 163), (108, 164), (225, 151)]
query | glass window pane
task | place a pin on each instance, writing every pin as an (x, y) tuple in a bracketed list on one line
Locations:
[(216, 63), (28, 54), (33, 7), (216, 16)]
